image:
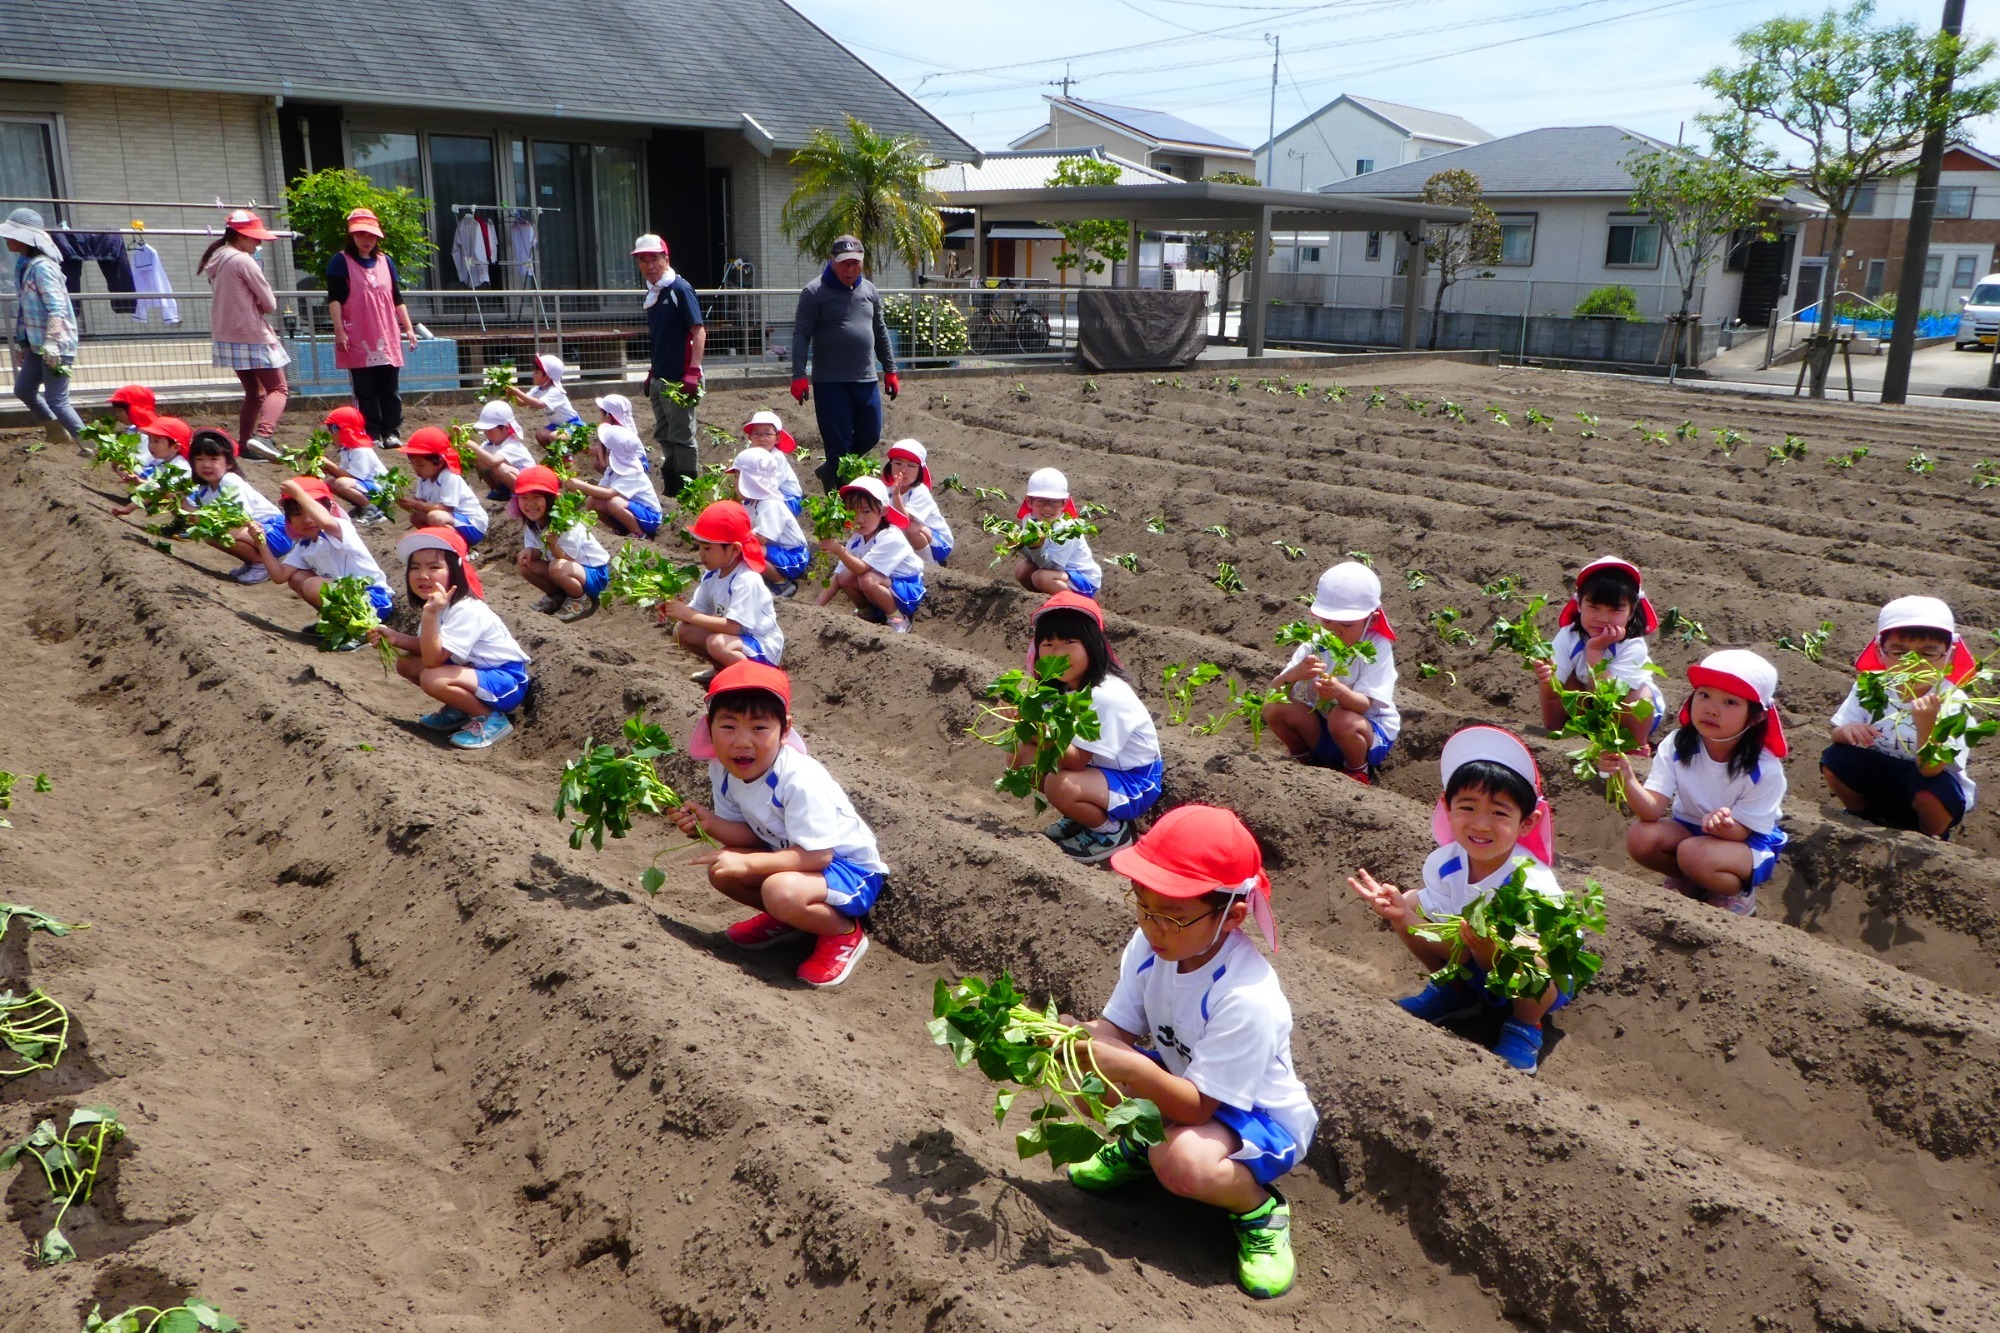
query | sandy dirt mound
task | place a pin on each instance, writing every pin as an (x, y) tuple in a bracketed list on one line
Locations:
[(394, 1057)]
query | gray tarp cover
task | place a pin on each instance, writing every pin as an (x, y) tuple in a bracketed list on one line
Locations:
[(1122, 329)]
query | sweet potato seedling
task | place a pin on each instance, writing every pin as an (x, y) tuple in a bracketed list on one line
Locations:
[(830, 519), (496, 380), (1596, 716), (643, 577), (1658, 436), (1809, 644), (1968, 717), (1687, 431), (70, 1161), (568, 512), (1414, 579), (1218, 530), (1127, 561), (700, 491), (345, 617), (1537, 941), (216, 520), (33, 918), (1850, 458), (1291, 552), (1412, 403), (462, 437), (1690, 631), (1920, 463), (1363, 557), (853, 467), (1017, 535), (1181, 680), (1226, 577), (1333, 393), (1035, 711), (1505, 588), (1090, 511), (111, 444), (1522, 636), (1588, 420), (608, 789), (678, 393), (1340, 656), (1499, 415), (193, 1315), (309, 459), (566, 445), (1448, 408), (1445, 621), (1157, 525), (1986, 473), (1726, 440), (1376, 398), (1793, 449), (1542, 419), (165, 492), (34, 1029), (1427, 670), (991, 1025), (391, 485), (951, 482), (991, 493)]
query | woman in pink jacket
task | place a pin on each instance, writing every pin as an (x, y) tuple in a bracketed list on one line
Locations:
[(244, 343)]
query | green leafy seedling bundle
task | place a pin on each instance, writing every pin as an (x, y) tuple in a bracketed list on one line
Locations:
[(393, 484), (345, 617), (165, 492), (700, 491), (191, 1316), (853, 467), (643, 577), (1522, 636), (1975, 718), (1034, 711), (566, 445), (1537, 942), (218, 520), (569, 511), (309, 459), (608, 789), (496, 381), (991, 1025), (830, 519), (464, 437), (70, 1161), (34, 1029), (1809, 644), (1181, 680), (1017, 535), (1341, 656), (1596, 717), (111, 444)]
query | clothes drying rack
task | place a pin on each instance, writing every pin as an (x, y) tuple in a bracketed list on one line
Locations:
[(532, 273)]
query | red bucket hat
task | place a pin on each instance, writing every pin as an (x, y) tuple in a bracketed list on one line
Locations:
[(1068, 601), (350, 430), (431, 440), (1194, 850), (729, 522), (320, 492), (751, 675)]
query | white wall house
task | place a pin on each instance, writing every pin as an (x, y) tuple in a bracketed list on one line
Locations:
[(1019, 247), (1353, 136), (1154, 139)]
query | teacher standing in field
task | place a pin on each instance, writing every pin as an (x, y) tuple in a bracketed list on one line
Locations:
[(840, 326), (676, 339)]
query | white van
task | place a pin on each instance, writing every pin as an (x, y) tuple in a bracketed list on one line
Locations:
[(1979, 321)]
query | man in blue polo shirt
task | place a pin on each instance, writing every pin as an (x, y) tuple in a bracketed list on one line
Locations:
[(839, 325), (676, 337)]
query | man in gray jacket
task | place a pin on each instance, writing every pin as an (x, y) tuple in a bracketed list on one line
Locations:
[(839, 325)]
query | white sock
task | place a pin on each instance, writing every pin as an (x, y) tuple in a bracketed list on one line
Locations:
[(1109, 827)]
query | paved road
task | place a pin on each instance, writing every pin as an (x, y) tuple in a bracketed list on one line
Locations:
[(1932, 370)]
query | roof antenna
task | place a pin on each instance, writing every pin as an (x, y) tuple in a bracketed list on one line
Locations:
[(1065, 81)]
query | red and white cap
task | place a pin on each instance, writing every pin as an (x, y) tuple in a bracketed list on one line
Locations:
[(1496, 746), (786, 444), (1918, 613), (1046, 483), (728, 522), (1742, 673), (1569, 611), (1195, 850), (652, 243), (497, 415), (1352, 591), (440, 539), (873, 487), (911, 451), (245, 223)]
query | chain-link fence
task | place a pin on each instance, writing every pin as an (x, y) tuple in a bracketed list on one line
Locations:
[(1473, 296)]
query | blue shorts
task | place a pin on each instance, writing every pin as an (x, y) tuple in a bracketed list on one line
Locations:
[(1268, 1150), (910, 591), (276, 540), (756, 650), (1890, 783), (1133, 791), (1764, 849), (941, 552), (368, 487), (381, 599), (1493, 1001), (596, 578), (850, 890), (1079, 584), (791, 561), (473, 536), (648, 517), (795, 503), (1326, 751), (502, 687)]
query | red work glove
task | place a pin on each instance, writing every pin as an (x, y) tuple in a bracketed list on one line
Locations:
[(691, 379), (895, 385), (801, 389)]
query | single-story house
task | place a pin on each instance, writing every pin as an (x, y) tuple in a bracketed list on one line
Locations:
[(1352, 136)]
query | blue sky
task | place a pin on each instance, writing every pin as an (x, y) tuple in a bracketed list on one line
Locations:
[(1506, 65)]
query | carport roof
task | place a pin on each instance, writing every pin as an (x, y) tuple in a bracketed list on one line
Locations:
[(1205, 206)]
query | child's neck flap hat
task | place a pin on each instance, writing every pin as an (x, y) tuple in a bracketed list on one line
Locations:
[(316, 490), (1570, 609), (441, 539), (222, 437), (1505, 749), (533, 481), (745, 675), (873, 487), (728, 522), (1046, 483), (138, 400), (1195, 850), (552, 366), (757, 475), (619, 408), (499, 414), (1742, 673), (349, 428), (430, 440), (1351, 591), (1918, 613), (911, 451), (1068, 601), (171, 428), (786, 444)]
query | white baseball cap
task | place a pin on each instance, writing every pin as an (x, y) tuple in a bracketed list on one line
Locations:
[(1046, 483), (1916, 613), (498, 413), (650, 244), (1348, 591)]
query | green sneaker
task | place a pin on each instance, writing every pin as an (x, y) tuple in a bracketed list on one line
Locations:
[(1264, 1264), (1114, 1166)]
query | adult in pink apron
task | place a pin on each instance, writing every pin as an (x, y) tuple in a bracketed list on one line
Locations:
[(364, 294)]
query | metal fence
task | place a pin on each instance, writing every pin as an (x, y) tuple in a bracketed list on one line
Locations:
[(600, 334), (1472, 296)]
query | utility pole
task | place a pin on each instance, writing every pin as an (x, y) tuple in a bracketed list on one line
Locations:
[(1271, 137), (1917, 248)]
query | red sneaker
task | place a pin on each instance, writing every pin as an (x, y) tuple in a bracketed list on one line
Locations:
[(761, 932), (1360, 775), (833, 958)]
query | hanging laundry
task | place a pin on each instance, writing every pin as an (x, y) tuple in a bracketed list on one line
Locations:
[(150, 275), (108, 249), (521, 246), (471, 251)]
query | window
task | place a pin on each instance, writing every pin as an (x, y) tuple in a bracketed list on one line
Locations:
[(1965, 272), (1871, 287), (1933, 270), (1374, 250), (1363, 165), (1309, 254), (1632, 243), (27, 166), (388, 159), (463, 172), (616, 171), (1517, 238), (1864, 201), (1954, 201)]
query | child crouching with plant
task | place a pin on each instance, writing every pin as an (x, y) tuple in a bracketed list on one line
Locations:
[(1342, 710), (1101, 784), (1198, 1025), (908, 475), (218, 476), (548, 395), (1492, 869), (624, 494), (441, 499), (500, 450), (1708, 814), (168, 441), (731, 616), (1055, 566), (1603, 628), (759, 477), (791, 845), (325, 547), (559, 554), (463, 654), (876, 568)]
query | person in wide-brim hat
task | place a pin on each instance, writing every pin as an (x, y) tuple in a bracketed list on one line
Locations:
[(44, 333)]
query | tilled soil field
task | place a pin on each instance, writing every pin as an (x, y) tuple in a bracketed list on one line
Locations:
[(394, 1057)]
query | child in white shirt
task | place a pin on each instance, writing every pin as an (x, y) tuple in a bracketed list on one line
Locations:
[(1055, 566), (1345, 719), (462, 655), (504, 451), (908, 474), (766, 430), (572, 569), (877, 569), (759, 473), (354, 466), (441, 498), (167, 441), (731, 616), (212, 459), (1603, 627), (325, 546), (624, 494), (549, 396)]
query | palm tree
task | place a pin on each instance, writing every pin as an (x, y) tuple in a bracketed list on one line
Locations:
[(868, 185)]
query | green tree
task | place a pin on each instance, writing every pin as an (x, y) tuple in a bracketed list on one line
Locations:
[(317, 204), (1851, 102), (1698, 203), (1088, 245), (1229, 253), (1453, 248), (874, 186)]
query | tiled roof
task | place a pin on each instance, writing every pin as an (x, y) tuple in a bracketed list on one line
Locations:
[(1586, 159)]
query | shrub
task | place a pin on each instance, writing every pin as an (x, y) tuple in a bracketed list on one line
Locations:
[(929, 325), (317, 204), (1614, 302)]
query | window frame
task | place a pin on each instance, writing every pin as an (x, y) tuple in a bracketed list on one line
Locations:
[(1532, 221), (1874, 278), (1364, 166), (1635, 223), (1969, 265), (1865, 200), (53, 144), (1371, 251), (1970, 192)]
